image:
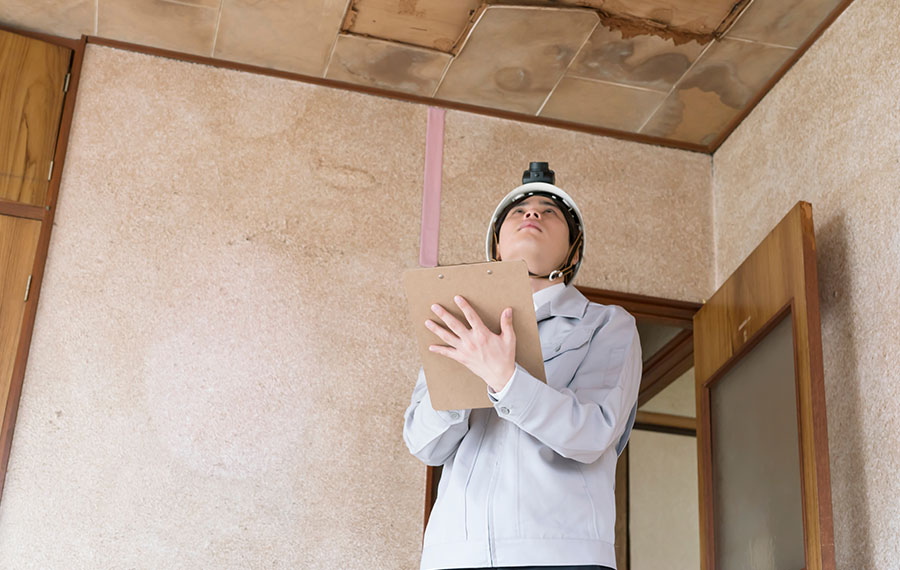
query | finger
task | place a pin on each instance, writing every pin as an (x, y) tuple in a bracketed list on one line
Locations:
[(506, 324), (445, 351), (442, 333), (471, 316), (452, 322)]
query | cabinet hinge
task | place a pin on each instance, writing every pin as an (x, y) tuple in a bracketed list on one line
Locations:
[(50, 172), (27, 288), (66, 86)]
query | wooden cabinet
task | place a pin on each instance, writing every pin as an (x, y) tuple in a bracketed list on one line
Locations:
[(18, 246), (34, 86)]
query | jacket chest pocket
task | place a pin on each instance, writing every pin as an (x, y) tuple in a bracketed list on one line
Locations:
[(562, 355)]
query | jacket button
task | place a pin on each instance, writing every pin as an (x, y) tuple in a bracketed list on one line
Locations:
[(454, 415), (504, 410)]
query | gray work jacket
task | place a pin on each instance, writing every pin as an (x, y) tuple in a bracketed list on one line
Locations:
[(531, 481)]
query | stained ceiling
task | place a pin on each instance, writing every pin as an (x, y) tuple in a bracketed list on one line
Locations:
[(677, 72)]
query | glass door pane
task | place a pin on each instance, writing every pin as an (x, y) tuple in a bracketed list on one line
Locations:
[(756, 459)]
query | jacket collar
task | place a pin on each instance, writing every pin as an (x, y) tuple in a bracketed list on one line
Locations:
[(569, 303)]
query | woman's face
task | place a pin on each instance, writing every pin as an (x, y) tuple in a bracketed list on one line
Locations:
[(536, 231)]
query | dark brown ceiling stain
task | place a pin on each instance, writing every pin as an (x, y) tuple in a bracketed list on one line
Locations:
[(629, 25), (668, 67), (723, 80), (731, 17), (632, 27), (394, 68)]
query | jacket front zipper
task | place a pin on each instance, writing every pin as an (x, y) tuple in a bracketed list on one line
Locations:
[(492, 487)]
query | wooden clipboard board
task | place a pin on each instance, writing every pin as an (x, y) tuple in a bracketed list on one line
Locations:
[(489, 288)]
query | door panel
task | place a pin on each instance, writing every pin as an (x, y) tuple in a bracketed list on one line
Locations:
[(18, 245), (32, 78), (747, 414)]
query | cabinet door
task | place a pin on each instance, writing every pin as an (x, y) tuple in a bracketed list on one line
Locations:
[(32, 83), (762, 442), (18, 244)]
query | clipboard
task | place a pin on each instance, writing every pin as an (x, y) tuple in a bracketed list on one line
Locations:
[(489, 287)]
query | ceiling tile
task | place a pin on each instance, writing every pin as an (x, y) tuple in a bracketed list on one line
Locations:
[(721, 84), (601, 104), (435, 24), (641, 61), (68, 18), (291, 35), (388, 65), (515, 55), (782, 22), (159, 23)]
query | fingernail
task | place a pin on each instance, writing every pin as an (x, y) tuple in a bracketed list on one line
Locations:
[(457, 298), (434, 308)]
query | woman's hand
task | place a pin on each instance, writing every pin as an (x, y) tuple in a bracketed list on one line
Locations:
[(490, 356)]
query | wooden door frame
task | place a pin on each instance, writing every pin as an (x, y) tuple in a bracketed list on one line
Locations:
[(45, 215)]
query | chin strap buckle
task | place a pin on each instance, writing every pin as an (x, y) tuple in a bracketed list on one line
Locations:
[(555, 274)]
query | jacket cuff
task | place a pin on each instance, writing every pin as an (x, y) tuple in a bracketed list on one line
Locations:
[(522, 391), (495, 396), (440, 418)]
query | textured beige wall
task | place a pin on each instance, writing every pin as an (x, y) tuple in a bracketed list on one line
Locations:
[(647, 209), (221, 359), (829, 133), (218, 374)]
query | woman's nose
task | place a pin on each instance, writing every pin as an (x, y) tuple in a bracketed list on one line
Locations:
[(532, 214)]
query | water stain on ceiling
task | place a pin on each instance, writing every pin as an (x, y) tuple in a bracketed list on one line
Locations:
[(681, 71)]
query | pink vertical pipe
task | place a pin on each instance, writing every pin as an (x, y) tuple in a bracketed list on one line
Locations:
[(431, 194)]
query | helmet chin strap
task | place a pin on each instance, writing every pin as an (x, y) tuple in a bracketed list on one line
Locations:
[(567, 267)]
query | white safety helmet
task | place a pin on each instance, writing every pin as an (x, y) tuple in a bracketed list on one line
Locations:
[(539, 180)]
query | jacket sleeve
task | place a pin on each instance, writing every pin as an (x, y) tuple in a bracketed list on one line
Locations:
[(432, 435), (595, 410)]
